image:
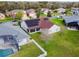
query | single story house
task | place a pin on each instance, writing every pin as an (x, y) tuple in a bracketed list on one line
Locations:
[(25, 17), (30, 25), (31, 13), (46, 27), (45, 10), (75, 11), (9, 29), (42, 25), (61, 10), (2, 16), (72, 21), (13, 13), (11, 38)]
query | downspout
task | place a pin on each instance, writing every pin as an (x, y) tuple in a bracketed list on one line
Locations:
[(22, 27)]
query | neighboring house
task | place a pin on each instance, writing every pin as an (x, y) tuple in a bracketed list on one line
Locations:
[(75, 11), (45, 10), (13, 13), (9, 29), (30, 25), (2, 16), (11, 38), (42, 25), (25, 17), (61, 10), (72, 21), (46, 27), (31, 13)]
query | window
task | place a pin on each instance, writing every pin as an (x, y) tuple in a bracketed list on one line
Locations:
[(37, 29), (32, 30)]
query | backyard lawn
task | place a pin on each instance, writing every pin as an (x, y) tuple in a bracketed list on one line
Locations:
[(63, 43), (57, 21), (28, 50)]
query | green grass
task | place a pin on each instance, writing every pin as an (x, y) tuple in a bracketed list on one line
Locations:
[(42, 14), (64, 43), (6, 19), (55, 14), (28, 50), (68, 12), (57, 21)]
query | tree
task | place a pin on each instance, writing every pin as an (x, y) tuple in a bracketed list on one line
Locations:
[(19, 15)]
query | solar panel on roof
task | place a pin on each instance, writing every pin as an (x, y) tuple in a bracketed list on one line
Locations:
[(33, 22)]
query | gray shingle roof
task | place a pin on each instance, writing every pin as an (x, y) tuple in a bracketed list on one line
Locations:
[(69, 19), (8, 29)]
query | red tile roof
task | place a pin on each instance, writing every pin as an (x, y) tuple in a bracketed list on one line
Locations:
[(45, 24)]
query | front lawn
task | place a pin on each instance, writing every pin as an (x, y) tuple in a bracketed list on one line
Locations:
[(28, 50), (6, 19)]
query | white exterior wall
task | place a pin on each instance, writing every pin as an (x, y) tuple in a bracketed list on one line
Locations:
[(33, 15), (2, 16), (25, 17), (60, 10), (24, 41), (23, 25), (44, 31), (53, 29)]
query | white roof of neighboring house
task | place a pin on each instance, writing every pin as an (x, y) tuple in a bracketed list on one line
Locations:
[(16, 10), (2, 16), (54, 29), (45, 10), (30, 11), (61, 10)]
